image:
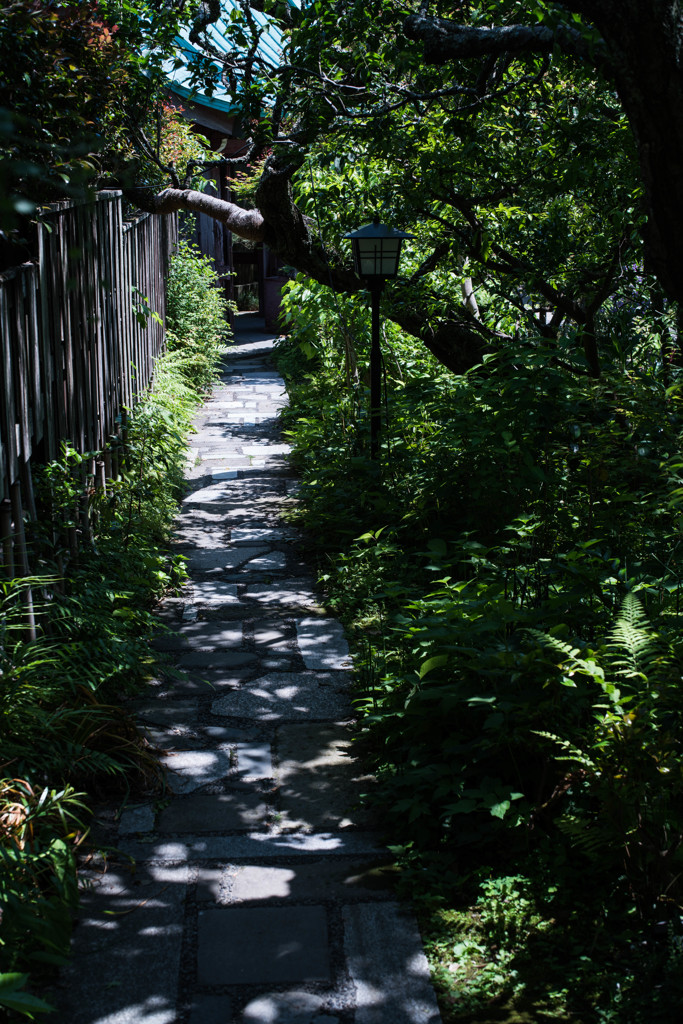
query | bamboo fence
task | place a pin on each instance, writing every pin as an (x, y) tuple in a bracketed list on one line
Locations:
[(79, 346)]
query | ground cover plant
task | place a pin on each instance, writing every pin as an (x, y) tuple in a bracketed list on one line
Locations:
[(65, 738), (510, 579)]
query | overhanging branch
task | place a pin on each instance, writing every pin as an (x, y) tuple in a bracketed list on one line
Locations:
[(248, 224), (446, 40)]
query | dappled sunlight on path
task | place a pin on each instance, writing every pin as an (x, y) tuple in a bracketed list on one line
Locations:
[(249, 894)]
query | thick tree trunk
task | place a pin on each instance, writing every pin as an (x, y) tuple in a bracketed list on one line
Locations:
[(452, 341), (644, 41), (446, 40)]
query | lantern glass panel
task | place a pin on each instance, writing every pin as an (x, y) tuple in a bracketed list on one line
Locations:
[(378, 257)]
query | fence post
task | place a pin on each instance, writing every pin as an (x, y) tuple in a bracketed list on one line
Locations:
[(6, 535)]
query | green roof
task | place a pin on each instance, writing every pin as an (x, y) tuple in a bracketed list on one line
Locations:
[(269, 50)]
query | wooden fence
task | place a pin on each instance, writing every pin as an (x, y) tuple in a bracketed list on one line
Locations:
[(78, 344)]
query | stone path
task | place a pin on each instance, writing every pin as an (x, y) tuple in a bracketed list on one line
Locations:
[(254, 892)]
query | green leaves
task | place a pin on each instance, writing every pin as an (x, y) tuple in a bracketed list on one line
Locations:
[(196, 317), (12, 996), (437, 662), (75, 78)]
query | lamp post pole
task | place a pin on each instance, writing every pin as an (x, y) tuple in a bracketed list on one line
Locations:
[(376, 252), (375, 375)]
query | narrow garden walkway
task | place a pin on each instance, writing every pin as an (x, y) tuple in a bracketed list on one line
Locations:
[(253, 894)]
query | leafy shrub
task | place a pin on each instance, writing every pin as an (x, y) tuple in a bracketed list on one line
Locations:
[(621, 795), (510, 576), (195, 316), (40, 829)]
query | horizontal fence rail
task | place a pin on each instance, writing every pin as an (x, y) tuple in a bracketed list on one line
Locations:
[(79, 342)]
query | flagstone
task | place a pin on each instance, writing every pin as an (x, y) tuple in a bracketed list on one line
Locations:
[(191, 769), (237, 810), (214, 593), (322, 643), (263, 945), (288, 695)]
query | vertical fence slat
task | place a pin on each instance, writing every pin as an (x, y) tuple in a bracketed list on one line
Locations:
[(9, 418)]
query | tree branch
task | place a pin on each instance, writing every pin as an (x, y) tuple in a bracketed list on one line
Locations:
[(248, 224), (453, 340), (445, 41)]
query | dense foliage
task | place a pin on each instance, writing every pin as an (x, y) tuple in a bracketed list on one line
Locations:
[(510, 577), (82, 102), (516, 168), (196, 323), (515, 141), (65, 738)]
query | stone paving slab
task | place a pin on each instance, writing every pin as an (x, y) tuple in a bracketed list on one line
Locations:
[(262, 534), (263, 450), (238, 810), (194, 517), (218, 660), (254, 760), (178, 713), (288, 594), (280, 661), (197, 737), (273, 469), (241, 417), (239, 512), (199, 683), (198, 636), (256, 344), (126, 949), (275, 561), (263, 945), (214, 594), (319, 781), (136, 819), (208, 495), (221, 558), (188, 770), (264, 494), (275, 634), (288, 695), (211, 682), (195, 537), (387, 966), (322, 643)]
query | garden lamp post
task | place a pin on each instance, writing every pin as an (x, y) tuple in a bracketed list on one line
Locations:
[(376, 252)]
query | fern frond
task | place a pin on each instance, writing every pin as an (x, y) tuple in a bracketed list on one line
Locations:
[(571, 753), (632, 612), (571, 655), (546, 640), (589, 839), (634, 649)]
